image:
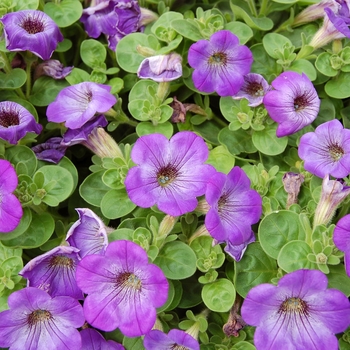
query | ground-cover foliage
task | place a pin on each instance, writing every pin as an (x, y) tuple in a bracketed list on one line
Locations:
[(175, 174)]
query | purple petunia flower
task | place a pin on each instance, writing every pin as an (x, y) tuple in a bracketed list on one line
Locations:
[(81, 135), (54, 272), (100, 18), (293, 104), (161, 68), (237, 251), (169, 173), (332, 194), (335, 24), (88, 234), (220, 63), (175, 339), (93, 340), (112, 18), (299, 313), (123, 289), (326, 150), (31, 30), (231, 199), (253, 89), (37, 321), (16, 122), (94, 137), (77, 104), (10, 208), (316, 11), (51, 151), (341, 239), (52, 68)]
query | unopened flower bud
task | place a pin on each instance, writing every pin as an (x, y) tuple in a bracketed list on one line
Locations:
[(292, 183)]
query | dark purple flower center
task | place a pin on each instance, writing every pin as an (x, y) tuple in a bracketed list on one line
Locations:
[(61, 261), (295, 306), (254, 89), (89, 96), (128, 280), (303, 101), (9, 118), (38, 316), (218, 58), (166, 175), (178, 347), (32, 25), (336, 152)]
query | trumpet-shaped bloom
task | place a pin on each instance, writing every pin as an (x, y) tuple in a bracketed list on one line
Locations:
[(299, 313), (52, 68), (123, 289), (37, 321), (341, 238), (175, 339), (54, 272), (113, 18), (219, 63), (340, 16), (161, 68), (230, 199), (31, 30), (10, 208), (77, 104), (253, 89), (88, 234), (51, 151), (332, 194), (326, 150), (16, 122), (316, 11), (169, 173), (293, 104), (93, 340)]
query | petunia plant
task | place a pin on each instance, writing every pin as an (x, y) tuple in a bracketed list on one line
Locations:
[(174, 174)]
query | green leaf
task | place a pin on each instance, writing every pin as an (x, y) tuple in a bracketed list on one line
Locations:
[(77, 76), (304, 66), (293, 256), (338, 279), (45, 90), (323, 65), (64, 12), (263, 64), (339, 87), (261, 23), (255, 268), (93, 53), (187, 28), (241, 30), (177, 260), (277, 229), (237, 142), (22, 155), (162, 27), (61, 183), (93, 189), (267, 142), (13, 80), (127, 56), (146, 128), (39, 231), (219, 296), (274, 42), (221, 159), (25, 5), (116, 203)]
